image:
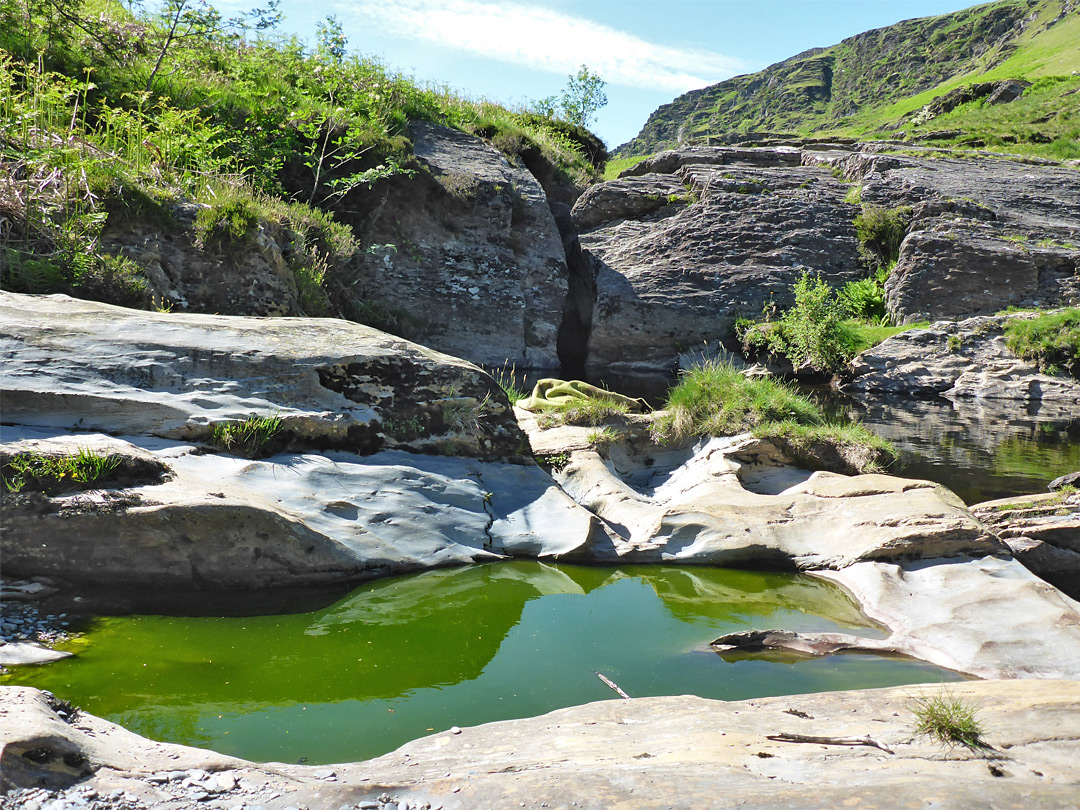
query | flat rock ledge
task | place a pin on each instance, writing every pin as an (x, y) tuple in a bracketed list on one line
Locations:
[(911, 553), (390, 457), (658, 752)]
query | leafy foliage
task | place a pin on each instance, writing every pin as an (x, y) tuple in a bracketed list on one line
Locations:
[(811, 332), (580, 100), (881, 230)]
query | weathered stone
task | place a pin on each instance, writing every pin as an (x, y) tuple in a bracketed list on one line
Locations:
[(14, 654), (679, 276), (987, 233), (645, 753), (735, 501), (305, 513), (1043, 532), (961, 361), (467, 253), (332, 383)]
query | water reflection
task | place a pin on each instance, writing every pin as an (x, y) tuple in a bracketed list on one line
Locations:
[(980, 449), (400, 657)]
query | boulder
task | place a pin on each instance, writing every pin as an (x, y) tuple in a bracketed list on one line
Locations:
[(649, 752), (962, 361), (466, 254), (390, 457)]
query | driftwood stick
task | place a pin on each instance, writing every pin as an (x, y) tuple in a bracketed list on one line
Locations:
[(612, 684), (805, 738)]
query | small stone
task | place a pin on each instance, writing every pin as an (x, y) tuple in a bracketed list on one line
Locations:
[(455, 730)]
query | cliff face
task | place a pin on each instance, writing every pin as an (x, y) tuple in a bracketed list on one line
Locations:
[(826, 88)]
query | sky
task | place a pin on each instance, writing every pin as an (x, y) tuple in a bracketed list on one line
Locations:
[(647, 51)]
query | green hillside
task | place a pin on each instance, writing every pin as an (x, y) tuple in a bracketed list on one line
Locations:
[(872, 84), (110, 121)]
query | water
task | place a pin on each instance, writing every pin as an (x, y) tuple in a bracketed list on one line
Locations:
[(407, 656), (979, 450)]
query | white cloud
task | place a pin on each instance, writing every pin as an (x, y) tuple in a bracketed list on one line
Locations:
[(543, 39)]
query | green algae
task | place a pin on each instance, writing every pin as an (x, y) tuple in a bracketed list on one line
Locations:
[(403, 657)]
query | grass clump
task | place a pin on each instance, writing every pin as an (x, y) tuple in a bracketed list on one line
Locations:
[(507, 379), (949, 720), (602, 437), (715, 399), (881, 230), (39, 472), (251, 438), (1052, 340), (588, 411)]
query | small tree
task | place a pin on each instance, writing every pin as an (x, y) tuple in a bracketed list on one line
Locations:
[(811, 331), (582, 97), (331, 38)]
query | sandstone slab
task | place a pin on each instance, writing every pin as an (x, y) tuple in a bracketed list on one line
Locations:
[(656, 752)]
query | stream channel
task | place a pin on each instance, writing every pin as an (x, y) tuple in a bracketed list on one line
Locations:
[(332, 676)]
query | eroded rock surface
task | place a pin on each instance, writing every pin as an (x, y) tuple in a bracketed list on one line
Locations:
[(673, 267), (342, 493), (962, 361), (916, 559), (1042, 531), (654, 752)]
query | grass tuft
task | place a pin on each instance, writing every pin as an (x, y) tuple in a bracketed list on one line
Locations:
[(251, 438), (1052, 340), (40, 472), (949, 720)]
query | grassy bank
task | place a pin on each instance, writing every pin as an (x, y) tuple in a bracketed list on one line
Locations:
[(714, 399)]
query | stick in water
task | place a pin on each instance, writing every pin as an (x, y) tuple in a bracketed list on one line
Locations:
[(612, 684)]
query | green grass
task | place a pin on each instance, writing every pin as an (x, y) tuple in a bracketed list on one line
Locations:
[(616, 166), (949, 720), (251, 438), (588, 411), (1051, 340), (40, 472), (714, 399), (860, 336), (506, 378), (602, 437)]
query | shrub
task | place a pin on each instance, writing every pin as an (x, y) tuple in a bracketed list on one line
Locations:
[(949, 720), (881, 230), (227, 223), (1052, 340), (810, 333), (865, 300)]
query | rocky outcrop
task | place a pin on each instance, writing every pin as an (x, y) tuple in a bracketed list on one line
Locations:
[(962, 361), (1043, 532), (688, 240), (467, 253), (390, 457), (986, 233), (651, 752), (918, 562), (674, 268)]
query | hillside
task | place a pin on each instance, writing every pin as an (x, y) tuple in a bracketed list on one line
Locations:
[(222, 139), (874, 83)]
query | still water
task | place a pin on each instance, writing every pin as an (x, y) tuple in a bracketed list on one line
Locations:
[(331, 679)]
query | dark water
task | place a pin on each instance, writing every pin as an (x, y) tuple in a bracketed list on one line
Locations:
[(353, 677), (980, 450)]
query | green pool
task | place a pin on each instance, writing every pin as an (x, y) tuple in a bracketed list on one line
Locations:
[(400, 658)]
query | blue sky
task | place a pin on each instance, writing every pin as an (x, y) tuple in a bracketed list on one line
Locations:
[(648, 51)]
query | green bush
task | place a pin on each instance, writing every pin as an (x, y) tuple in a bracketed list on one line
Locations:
[(811, 332), (881, 230), (1051, 340), (864, 299), (227, 223)]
